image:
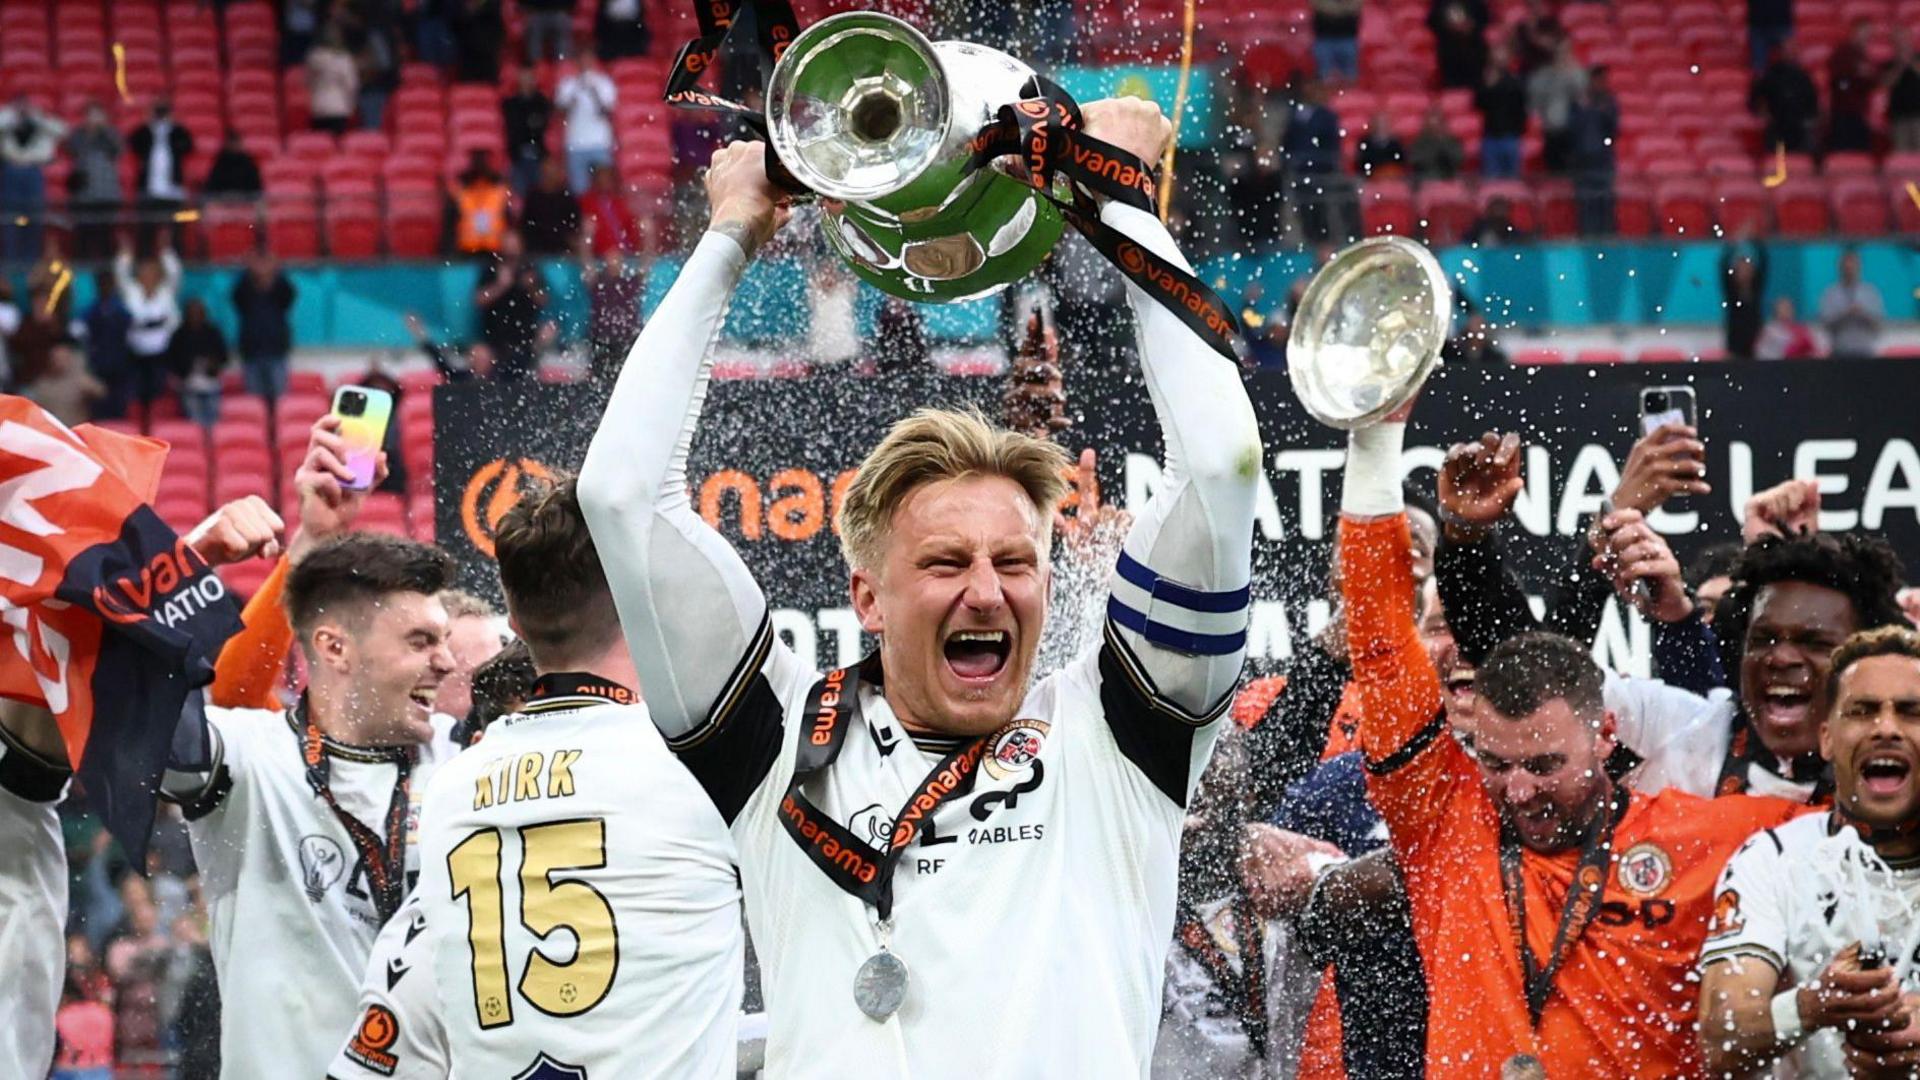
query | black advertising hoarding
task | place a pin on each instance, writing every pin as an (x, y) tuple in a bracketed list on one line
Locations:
[(772, 457)]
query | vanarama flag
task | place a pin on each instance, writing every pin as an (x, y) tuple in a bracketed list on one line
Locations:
[(111, 622)]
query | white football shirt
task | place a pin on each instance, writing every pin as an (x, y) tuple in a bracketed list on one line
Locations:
[(1795, 895), (293, 918), (580, 892), (398, 1035), (1034, 912), (33, 909)]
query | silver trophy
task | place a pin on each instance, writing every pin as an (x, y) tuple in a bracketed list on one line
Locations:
[(1369, 331), (879, 122)]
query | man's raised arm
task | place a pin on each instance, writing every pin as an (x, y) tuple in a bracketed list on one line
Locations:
[(1180, 593), (694, 619)]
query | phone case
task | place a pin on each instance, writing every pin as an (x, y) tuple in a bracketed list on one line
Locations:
[(364, 434), (1651, 422)]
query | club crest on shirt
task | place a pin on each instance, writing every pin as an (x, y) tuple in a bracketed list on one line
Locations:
[(1014, 748), (872, 825), (321, 864), (1645, 869), (373, 1038), (1727, 919)]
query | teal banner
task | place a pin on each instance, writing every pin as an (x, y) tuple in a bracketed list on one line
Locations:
[(357, 306), (1159, 84)]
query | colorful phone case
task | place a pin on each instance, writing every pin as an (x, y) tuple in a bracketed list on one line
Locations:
[(364, 434)]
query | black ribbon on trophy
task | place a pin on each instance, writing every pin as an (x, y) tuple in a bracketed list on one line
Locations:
[(1042, 130)]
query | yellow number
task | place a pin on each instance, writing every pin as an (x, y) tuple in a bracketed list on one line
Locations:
[(547, 905), (474, 866)]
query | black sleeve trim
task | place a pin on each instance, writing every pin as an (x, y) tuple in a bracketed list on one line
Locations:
[(1404, 756), (736, 688), (731, 760), (29, 776), (210, 797), (1155, 734)]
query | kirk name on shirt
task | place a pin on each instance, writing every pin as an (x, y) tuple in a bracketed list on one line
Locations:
[(519, 777)]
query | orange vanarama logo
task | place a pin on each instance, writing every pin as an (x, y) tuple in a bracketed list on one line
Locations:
[(494, 489), (372, 1040)]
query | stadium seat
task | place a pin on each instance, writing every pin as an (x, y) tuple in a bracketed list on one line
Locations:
[(1599, 356), (1632, 207), (1906, 212), (245, 578), (1683, 208), (232, 230), (1559, 212), (1448, 210), (1663, 354), (1387, 208), (1539, 356), (1859, 207), (1741, 204), (1800, 207), (1838, 165)]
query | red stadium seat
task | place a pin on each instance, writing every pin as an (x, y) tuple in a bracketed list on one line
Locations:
[(1539, 356), (1519, 195), (1838, 165), (1683, 208), (232, 230), (1800, 205), (1559, 212), (245, 578), (353, 226), (1663, 354), (1741, 204), (1859, 207), (1447, 209), (1387, 208), (1906, 210), (1599, 356)]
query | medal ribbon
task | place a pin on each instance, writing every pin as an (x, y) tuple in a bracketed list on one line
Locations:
[(1579, 909), (1246, 989), (385, 860), (855, 866), (1043, 130), (1742, 756)]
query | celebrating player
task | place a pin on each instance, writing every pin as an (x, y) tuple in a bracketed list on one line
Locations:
[(1553, 908), (945, 867), (571, 815), (299, 826), (1811, 953), (33, 885)]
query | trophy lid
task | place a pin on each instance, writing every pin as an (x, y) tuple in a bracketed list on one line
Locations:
[(858, 106), (1369, 331)]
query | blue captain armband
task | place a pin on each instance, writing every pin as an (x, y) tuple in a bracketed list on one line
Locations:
[(1175, 616)]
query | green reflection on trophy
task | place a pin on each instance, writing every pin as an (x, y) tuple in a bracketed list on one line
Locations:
[(878, 121)]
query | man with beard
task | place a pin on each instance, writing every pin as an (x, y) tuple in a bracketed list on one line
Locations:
[(1796, 596), (932, 848), (1554, 909), (1810, 954)]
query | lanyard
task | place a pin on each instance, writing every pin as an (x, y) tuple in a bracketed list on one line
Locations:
[(1582, 903), (850, 862), (385, 860), (1742, 756), (1246, 989)]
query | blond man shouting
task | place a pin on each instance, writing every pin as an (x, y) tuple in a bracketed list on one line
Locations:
[(948, 868)]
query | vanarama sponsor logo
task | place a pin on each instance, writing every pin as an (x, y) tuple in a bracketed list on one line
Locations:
[(828, 713), (132, 598), (938, 787), (372, 1042), (845, 858), (492, 490)]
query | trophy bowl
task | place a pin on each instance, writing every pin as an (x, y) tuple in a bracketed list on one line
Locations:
[(1369, 331), (878, 121)]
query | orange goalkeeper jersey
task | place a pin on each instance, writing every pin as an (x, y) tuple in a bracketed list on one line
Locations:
[(1624, 1002)]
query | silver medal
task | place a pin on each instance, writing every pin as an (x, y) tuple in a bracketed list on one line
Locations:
[(880, 985)]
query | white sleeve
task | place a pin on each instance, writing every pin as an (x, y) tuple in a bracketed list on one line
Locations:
[(695, 621), (33, 907), (398, 1032), (1647, 711), (1750, 905), (1180, 597)]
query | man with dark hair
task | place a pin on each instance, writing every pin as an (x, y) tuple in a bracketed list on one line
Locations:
[(1710, 576), (500, 686), (299, 823), (1795, 598), (576, 780), (1554, 909), (1808, 959)]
